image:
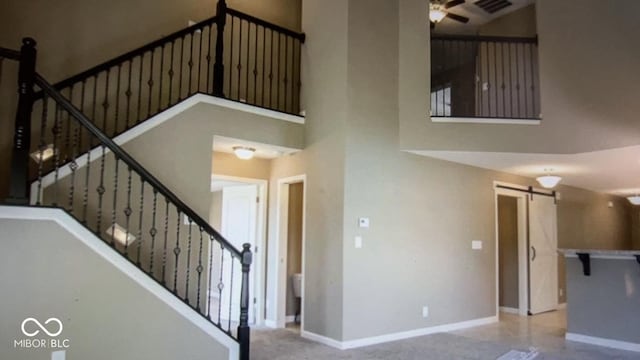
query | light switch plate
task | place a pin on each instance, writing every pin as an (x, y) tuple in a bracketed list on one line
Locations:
[(476, 244), (358, 242), (363, 222)]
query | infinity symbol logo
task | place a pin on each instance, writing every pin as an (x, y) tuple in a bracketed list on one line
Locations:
[(36, 332)]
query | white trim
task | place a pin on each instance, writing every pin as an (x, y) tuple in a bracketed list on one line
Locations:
[(280, 253), (261, 241), (290, 319), (270, 323), (509, 310), (523, 274), (121, 263), (615, 344), (480, 120), (322, 339), (351, 344)]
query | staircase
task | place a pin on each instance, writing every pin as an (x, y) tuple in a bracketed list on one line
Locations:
[(64, 155)]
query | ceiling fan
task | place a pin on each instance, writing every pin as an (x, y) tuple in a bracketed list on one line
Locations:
[(439, 9)]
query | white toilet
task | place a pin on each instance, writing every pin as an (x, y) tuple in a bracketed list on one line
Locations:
[(296, 280)]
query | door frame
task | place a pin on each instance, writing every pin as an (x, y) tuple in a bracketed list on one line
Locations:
[(280, 251), (258, 265), (523, 221)]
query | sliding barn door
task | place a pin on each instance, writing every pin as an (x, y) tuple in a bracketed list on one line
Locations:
[(543, 263)]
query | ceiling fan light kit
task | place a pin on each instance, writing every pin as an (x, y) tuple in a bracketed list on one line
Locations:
[(438, 10)]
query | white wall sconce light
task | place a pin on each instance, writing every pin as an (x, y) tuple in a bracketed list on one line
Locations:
[(44, 153), (635, 199), (120, 234)]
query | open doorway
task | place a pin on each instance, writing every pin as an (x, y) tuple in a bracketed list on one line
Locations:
[(289, 256), (238, 210), (526, 250)]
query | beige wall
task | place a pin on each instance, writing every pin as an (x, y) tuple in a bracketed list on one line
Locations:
[(576, 110), (521, 22), (59, 278), (508, 251), (230, 165), (294, 243), (215, 214)]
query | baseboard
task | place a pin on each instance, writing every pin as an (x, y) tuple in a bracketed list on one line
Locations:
[(615, 344), (562, 306), (270, 323), (322, 339), (509, 310), (351, 344), (290, 319)]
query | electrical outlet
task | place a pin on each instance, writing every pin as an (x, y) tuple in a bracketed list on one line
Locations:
[(425, 311), (476, 244), (358, 240)]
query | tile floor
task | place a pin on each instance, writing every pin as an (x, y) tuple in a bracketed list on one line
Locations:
[(544, 332)]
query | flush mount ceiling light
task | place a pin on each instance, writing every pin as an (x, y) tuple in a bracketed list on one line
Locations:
[(120, 234), (44, 153), (548, 181), (436, 14), (244, 152), (635, 199)]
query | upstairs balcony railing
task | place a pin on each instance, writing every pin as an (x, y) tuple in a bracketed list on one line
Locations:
[(484, 77)]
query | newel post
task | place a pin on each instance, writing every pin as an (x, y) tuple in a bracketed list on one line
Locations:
[(19, 180), (218, 66), (243, 327)]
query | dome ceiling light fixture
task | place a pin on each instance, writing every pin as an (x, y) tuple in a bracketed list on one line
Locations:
[(634, 199), (244, 152), (548, 181)]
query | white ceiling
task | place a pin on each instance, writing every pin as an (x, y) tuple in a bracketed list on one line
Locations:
[(614, 171), (476, 16), (263, 151)]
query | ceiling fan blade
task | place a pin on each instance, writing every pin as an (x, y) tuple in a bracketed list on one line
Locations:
[(453, 3), (462, 19)]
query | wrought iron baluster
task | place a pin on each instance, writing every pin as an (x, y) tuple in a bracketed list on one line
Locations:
[(117, 109), (511, 102), (166, 238), (246, 70), (153, 231), (186, 290), (271, 70), (115, 201), (255, 67), (100, 190), (239, 60), (190, 64), (504, 87), (140, 74), (105, 103), (199, 78), (208, 58), (495, 77), (210, 278), (181, 68), (278, 74), (171, 73), (264, 61), (233, 22), (160, 75), (230, 294), (518, 79), (56, 153), (199, 270), (127, 213), (533, 84), (176, 252), (73, 165), (150, 84), (141, 216), (42, 147), (128, 94), (286, 71), (67, 129), (220, 285)]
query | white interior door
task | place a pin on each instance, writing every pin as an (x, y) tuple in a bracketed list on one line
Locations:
[(543, 263), (238, 225)]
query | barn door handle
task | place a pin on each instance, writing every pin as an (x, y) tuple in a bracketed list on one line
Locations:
[(533, 253)]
